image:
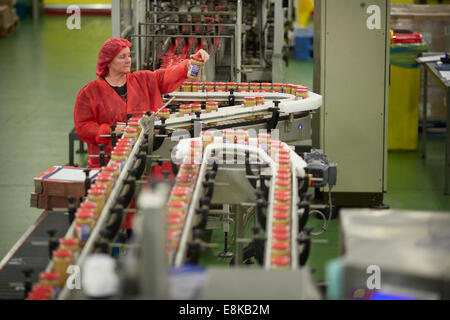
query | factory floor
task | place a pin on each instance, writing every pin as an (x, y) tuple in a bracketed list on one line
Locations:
[(44, 65)]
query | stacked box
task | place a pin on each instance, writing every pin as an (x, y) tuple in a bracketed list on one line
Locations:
[(8, 18), (304, 44)]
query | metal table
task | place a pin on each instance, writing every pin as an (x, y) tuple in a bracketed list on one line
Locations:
[(430, 67)]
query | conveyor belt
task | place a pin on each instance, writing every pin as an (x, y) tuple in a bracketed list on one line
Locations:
[(30, 252)]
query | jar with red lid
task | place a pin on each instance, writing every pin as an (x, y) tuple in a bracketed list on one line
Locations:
[(229, 136), (71, 244), (259, 100), (98, 197), (41, 292), (135, 125), (186, 86), (287, 87), (209, 86), (185, 110), (196, 107), (241, 137), (301, 94), (164, 113), (255, 87), (173, 237), (283, 185), (266, 87), (131, 133), (280, 249), (232, 85), (221, 87), (281, 263), (281, 237), (105, 178), (283, 198), (197, 86), (184, 180), (188, 168), (180, 194), (113, 169), (263, 141), (281, 217), (179, 206), (49, 278), (277, 87), (62, 259), (243, 87), (212, 106), (84, 222), (119, 156)]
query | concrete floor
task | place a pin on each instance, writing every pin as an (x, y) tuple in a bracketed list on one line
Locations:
[(42, 68)]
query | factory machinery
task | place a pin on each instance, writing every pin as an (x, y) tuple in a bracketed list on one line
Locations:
[(246, 39), (239, 198)]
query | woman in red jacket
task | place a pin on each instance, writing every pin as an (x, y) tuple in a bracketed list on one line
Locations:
[(118, 92)]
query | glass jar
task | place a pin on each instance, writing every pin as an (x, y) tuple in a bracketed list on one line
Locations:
[(135, 124), (287, 88), (284, 163), (212, 106), (41, 292), (263, 141), (241, 137), (106, 179), (195, 68), (188, 168), (50, 278), (71, 244), (180, 194), (208, 138), (186, 86), (62, 259), (266, 87), (250, 102), (281, 218), (91, 205), (185, 110), (112, 169), (301, 94), (102, 188), (178, 206), (255, 87), (196, 107), (84, 223), (209, 86), (98, 197), (197, 86), (281, 237), (281, 263), (229, 136), (280, 249), (277, 87), (221, 87), (259, 100), (173, 237), (164, 113), (232, 85), (131, 133), (243, 87)]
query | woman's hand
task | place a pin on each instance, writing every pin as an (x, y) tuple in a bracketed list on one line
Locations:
[(203, 54), (120, 128)]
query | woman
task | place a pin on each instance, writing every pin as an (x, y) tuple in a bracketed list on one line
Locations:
[(118, 92)]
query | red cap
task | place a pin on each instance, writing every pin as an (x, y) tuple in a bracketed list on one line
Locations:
[(89, 204), (281, 236), (278, 84), (250, 98), (68, 241), (220, 83), (62, 253), (255, 84), (197, 83), (175, 214), (197, 57), (196, 105), (283, 171), (259, 97), (282, 196), (280, 229), (180, 191), (281, 207), (301, 90), (283, 183), (185, 106), (109, 169), (279, 215), (284, 161), (266, 84), (177, 204), (280, 245), (232, 83), (83, 213), (209, 83), (50, 275), (281, 261), (96, 191), (130, 130), (212, 103), (173, 221), (243, 84), (184, 177)]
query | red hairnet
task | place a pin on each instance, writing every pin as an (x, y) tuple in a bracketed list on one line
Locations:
[(110, 49)]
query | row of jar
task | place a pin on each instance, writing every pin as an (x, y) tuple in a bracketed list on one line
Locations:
[(240, 87)]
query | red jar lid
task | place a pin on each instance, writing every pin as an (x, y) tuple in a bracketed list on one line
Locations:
[(220, 83), (60, 253), (284, 161), (280, 245), (187, 166), (288, 85), (118, 152), (130, 130), (283, 170), (165, 110), (232, 83), (104, 177), (197, 83), (281, 236), (212, 103), (280, 229), (175, 214), (301, 90), (259, 97), (280, 215), (122, 140), (109, 169), (196, 105), (250, 98), (185, 106), (281, 207), (41, 289), (187, 83), (99, 186), (184, 177), (278, 84), (68, 241), (243, 84), (282, 196), (95, 191), (180, 191), (50, 275), (283, 151), (254, 84), (83, 213), (283, 157), (266, 84), (89, 204), (174, 221), (209, 83), (283, 183), (177, 204), (283, 176), (281, 261)]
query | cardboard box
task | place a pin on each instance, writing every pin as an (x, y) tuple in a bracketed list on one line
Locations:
[(8, 20), (9, 3)]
